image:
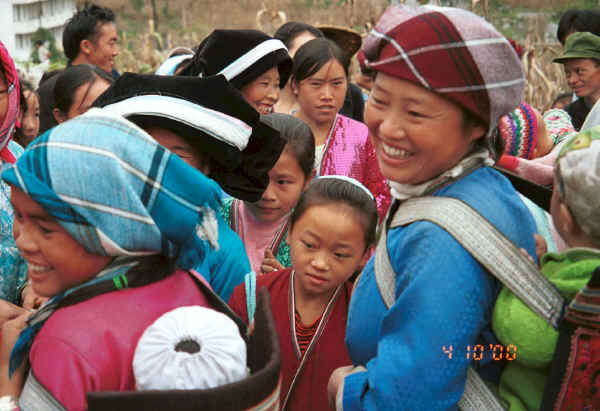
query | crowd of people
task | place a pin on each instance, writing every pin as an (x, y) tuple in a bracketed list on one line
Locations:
[(143, 216)]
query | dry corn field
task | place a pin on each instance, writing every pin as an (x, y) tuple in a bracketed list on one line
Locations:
[(190, 21)]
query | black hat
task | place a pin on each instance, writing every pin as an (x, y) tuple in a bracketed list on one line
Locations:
[(212, 116), (241, 56)]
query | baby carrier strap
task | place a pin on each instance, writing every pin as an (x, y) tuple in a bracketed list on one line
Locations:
[(492, 250)]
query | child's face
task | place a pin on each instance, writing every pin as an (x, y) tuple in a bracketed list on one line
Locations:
[(31, 117), (322, 95), (263, 92), (55, 260), (327, 245), (286, 183)]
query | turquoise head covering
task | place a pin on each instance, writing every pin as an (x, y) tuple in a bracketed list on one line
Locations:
[(118, 193)]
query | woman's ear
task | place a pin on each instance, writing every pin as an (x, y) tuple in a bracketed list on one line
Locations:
[(59, 116), (293, 85)]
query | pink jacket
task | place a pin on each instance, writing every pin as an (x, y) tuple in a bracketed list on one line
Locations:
[(89, 346), (349, 152)]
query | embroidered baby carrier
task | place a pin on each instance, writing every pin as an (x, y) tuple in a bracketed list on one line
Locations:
[(492, 250), (257, 392), (574, 380)]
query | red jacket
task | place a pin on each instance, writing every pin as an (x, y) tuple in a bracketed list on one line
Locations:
[(326, 354), (89, 346)]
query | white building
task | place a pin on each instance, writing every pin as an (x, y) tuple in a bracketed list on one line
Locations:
[(19, 19)]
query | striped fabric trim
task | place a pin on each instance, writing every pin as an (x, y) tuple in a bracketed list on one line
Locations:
[(252, 56), (488, 86), (220, 126), (435, 47), (316, 336), (402, 56)]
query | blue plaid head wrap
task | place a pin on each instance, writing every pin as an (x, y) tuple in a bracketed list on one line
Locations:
[(116, 190), (118, 193)]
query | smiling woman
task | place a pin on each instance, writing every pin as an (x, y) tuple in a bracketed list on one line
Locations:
[(255, 63), (429, 115)]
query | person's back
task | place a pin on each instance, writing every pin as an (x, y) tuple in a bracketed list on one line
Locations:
[(574, 210), (71, 358)]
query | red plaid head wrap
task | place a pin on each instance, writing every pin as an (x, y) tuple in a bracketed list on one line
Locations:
[(452, 52), (8, 123)]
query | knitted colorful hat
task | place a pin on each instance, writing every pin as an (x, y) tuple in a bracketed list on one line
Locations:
[(577, 172), (452, 52), (241, 56), (519, 130)]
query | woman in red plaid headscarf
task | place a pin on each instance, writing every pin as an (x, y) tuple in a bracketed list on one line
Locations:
[(444, 77)]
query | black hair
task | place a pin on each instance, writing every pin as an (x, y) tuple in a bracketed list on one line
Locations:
[(313, 55), (562, 96), (71, 79), (579, 21), (288, 32), (48, 75), (84, 25), (299, 137), (324, 191)]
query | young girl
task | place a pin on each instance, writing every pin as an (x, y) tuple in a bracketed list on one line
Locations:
[(293, 34), (76, 88), (263, 225), (331, 230), (102, 246), (319, 82), (255, 63)]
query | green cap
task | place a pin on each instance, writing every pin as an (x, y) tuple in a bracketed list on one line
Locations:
[(580, 45)]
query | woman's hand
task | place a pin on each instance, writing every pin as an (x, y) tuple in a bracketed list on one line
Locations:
[(9, 311), (541, 247), (10, 333), (336, 382), (270, 263), (31, 300)]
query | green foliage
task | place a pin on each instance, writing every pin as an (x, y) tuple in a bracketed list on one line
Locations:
[(137, 4), (44, 36)]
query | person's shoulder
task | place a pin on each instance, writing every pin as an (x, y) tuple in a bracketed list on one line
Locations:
[(348, 121), (274, 279)]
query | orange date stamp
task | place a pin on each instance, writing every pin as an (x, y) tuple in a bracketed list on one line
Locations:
[(478, 352)]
